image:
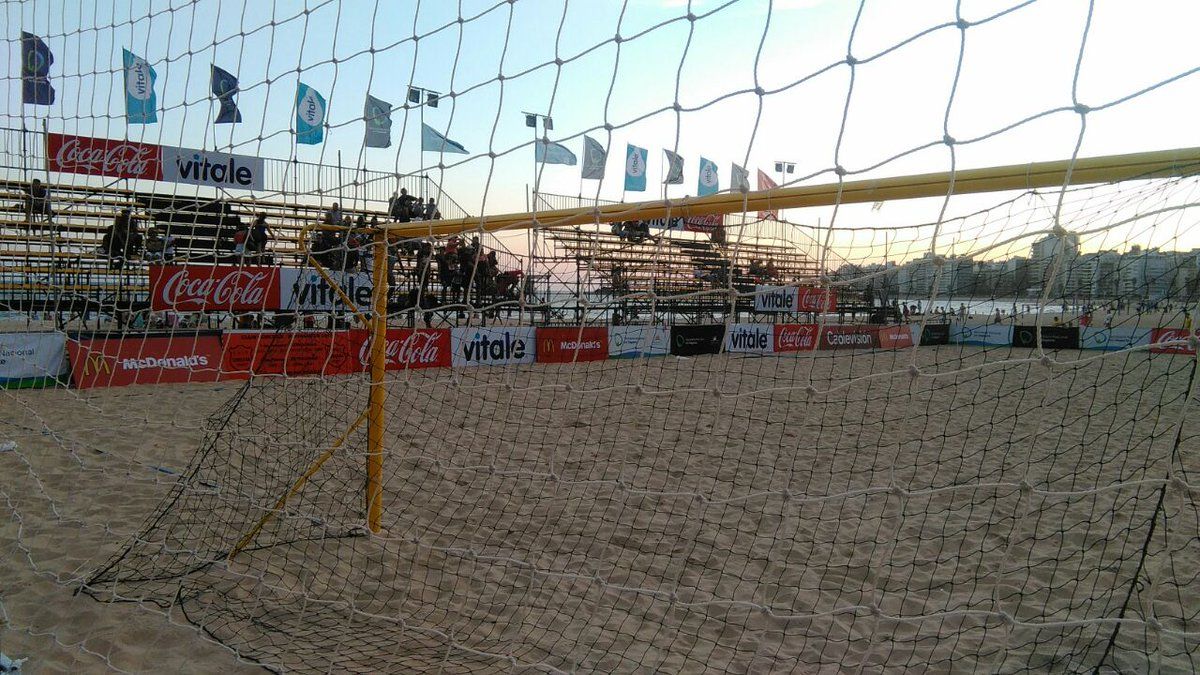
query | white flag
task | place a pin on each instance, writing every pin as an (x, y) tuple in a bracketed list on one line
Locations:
[(739, 179), (674, 169)]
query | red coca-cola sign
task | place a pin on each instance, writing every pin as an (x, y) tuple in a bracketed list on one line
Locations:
[(103, 157), (795, 337), (1159, 336), (192, 288), (810, 299), (407, 348)]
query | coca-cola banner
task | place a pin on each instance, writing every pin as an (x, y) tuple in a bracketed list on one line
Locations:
[(1159, 337), (571, 345), (407, 348), (193, 288), (795, 337), (498, 346), (302, 353), (794, 299), (103, 157), (750, 338), (849, 337), (118, 362)]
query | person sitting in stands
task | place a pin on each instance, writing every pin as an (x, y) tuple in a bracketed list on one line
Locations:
[(37, 202), (769, 271), (325, 248), (334, 215), (443, 271), (154, 245), (431, 210), (121, 240), (400, 206), (240, 237), (260, 234)]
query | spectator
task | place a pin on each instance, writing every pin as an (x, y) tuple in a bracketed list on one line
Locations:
[(431, 210), (424, 260), (400, 206), (154, 245), (240, 237), (37, 202), (122, 240), (334, 215), (443, 270), (259, 235)]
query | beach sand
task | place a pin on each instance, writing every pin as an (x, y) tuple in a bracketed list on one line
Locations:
[(819, 512)]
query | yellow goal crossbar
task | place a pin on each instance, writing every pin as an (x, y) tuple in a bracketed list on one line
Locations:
[(1060, 173)]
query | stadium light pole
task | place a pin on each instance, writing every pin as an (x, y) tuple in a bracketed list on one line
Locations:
[(782, 167), (531, 120), (423, 98)]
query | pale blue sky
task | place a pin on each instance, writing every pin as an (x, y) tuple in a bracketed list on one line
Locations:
[(1013, 67)]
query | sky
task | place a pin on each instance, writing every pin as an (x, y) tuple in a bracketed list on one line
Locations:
[(1003, 86)]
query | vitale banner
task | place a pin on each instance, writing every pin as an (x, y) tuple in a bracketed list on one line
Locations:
[(212, 168), (114, 158)]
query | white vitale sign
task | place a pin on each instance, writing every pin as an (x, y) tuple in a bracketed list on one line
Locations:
[(499, 346), (212, 168), (631, 341), (30, 355), (1113, 339), (305, 290), (750, 338), (776, 298)]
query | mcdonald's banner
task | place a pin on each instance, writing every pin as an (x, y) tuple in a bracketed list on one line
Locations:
[(572, 344), (117, 362)]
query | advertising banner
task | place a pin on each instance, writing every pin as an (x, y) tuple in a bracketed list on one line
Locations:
[(103, 157), (1161, 335), (689, 224), (795, 337), (211, 168), (571, 345), (1053, 337), (304, 289), (849, 337), (695, 340), (750, 338), (794, 299), (32, 359), (992, 334), (473, 346), (304, 353), (407, 348), (119, 362), (634, 341), (192, 288), (934, 334), (114, 158), (895, 337), (1113, 339)]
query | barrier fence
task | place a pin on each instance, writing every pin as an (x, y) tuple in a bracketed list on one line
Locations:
[(86, 361)]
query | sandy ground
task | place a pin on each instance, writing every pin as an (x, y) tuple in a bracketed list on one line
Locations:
[(826, 512)]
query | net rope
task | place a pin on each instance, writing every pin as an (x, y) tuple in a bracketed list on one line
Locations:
[(977, 504)]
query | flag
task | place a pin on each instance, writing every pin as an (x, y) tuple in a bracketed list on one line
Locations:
[(548, 152), (594, 157), (548, 123), (778, 167), (224, 85), (431, 98), (36, 60), (531, 121), (141, 105), (432, 141), (414, 95), (310, 115), (635, 168), (765, 183), (378, 115), (739, 179), (674, 169), (709, 181)]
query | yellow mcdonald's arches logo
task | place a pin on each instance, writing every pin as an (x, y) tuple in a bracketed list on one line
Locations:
[(95, 363), (547, 345)]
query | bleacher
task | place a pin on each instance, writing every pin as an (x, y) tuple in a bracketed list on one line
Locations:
[(61, 267), (676, 266)]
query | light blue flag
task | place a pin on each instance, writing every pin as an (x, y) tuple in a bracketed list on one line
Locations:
[(432, 141), (635, 168), (378, 114), (709, 182), (141, 105), (549, 152), (310, 115), (594, 156)]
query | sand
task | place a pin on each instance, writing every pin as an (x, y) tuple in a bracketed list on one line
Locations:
[(824, 512)]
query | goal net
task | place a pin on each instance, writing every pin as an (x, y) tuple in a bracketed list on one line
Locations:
[(463, 380)]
